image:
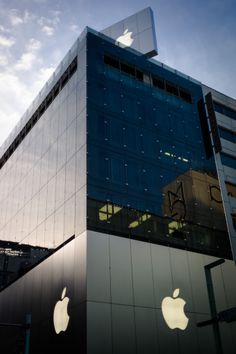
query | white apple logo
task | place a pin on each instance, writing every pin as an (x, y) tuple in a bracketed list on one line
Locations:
[(60, 315), (125, 40), (173, 311)]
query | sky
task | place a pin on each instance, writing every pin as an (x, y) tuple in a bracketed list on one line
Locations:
[(197, 37)]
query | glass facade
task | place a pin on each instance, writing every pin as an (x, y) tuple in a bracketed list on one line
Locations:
[(146, 156), (43, 180)]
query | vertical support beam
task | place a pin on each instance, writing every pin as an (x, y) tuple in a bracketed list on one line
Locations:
[(213, 123)]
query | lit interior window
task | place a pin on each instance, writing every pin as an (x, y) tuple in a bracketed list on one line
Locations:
[(175, 225), (107, 211), (139, 221), (166, 153)]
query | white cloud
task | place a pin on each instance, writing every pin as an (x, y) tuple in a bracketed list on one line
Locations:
[(3, 60), (30, 57), (11, 86), (55, 17), (6, 42), (34, 45), (15, 17), (28, 16), (43, 76), (25, 62), (49, 25), (48, 30), (75, 28)]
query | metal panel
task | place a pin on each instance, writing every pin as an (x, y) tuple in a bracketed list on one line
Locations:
[(213, 123), (121, 273), (142, 274), (123, 327), (136, 31), (99, 338), (146, 329), (98, 273)]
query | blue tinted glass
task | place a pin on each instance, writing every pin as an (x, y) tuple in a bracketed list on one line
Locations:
[(225, 110), (228, 161), (228, 135), (149, 156)]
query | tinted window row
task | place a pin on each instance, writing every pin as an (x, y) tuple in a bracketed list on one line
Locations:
[(227, 134), (225, 110), (144, 226), (155, 80), (228, 160), (41, 109)]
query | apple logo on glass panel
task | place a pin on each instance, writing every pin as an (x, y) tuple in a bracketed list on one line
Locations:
[(125, 40), (173, 311), (60, 314)]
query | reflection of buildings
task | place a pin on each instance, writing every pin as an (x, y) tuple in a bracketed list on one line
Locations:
[(16, 260), (106, 170), (193, 196)]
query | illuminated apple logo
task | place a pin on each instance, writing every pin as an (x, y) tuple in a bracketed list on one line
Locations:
[(60, 314), (125, 40), (173, 311)]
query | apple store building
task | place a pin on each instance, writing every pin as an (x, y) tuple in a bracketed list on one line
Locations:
[(118, 207)]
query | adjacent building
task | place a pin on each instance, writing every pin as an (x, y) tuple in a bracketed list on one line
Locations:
[(117, 189)]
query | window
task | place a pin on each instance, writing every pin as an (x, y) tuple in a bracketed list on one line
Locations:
[(224, 110), (227, 134), (172, 89), (157, 82), (127, 69), (139, 75), (234, 220), (228, 161), (111, 62), (107, 211), (186, 96)]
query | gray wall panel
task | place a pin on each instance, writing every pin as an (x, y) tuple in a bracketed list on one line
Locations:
[(229, 281), (188, 341), (123, 329), (142, 274), (80, 280), (121, 272), (98, 263), (181, 276), (227, 338), (198, 282), (146, 329), (162, 277), (99, 338), (205, 336), (167, 339)]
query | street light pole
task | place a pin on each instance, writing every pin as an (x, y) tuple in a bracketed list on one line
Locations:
[(212, 302), (27, 333)]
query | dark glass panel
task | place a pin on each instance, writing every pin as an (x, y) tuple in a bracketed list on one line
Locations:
[(157, 82), (186, 96), (172, 89)]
